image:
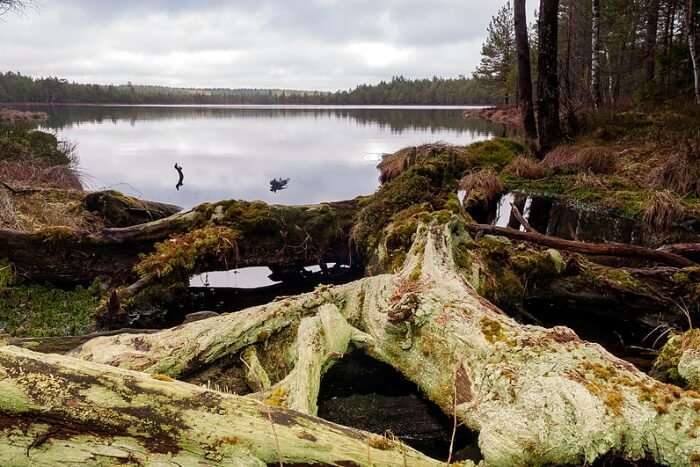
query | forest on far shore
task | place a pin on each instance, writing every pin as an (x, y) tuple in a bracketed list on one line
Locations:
[(17, 88)]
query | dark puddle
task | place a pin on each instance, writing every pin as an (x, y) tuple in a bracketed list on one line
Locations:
[(363, 393), (238, 289)]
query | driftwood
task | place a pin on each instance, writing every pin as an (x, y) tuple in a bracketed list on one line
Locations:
[(601, 249), (425, 321)]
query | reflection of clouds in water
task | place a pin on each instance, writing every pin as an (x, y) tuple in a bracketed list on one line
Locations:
[(328, 158)]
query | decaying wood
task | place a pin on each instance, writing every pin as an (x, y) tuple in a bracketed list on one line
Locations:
[(526, 225), (688, 250), (66, 343), (58, 410), (460, 350), (79, 257), (602, 249)]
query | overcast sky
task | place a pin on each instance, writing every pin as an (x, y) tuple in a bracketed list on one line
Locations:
[(300, 44)]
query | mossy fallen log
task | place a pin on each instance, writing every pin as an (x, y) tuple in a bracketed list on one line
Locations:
[(269, 235)]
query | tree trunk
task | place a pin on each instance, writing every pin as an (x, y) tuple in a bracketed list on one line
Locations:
[(522, 40), (650, 41), (595, 60), (58, 410), (427, 321), (549, 129), (692, 45)]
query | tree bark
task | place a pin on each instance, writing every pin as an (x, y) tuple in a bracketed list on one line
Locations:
[(548, 112), (650, 41), (595, 60), (692, 45), (522, 41), (57, 410), (427, 321), (602, 249)]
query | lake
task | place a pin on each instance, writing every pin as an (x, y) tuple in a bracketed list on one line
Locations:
[(232, 152)]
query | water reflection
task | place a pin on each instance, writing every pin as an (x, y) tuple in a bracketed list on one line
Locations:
[(233, 152)]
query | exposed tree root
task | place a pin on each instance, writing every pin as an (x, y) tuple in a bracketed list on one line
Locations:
[(535, 395)]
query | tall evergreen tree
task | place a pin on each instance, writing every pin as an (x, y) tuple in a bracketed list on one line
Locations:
[(498, 53)]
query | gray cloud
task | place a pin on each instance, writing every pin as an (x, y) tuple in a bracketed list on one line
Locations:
[(302, 44)]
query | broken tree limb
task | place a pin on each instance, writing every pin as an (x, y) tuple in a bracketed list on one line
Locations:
[(60, 410), (602, 249), (535, 395), (688, 250), (526, 225)]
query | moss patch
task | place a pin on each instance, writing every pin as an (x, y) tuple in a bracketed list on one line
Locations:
[(39, 310)]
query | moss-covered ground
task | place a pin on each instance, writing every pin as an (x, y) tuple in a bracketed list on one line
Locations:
[(43, 310)]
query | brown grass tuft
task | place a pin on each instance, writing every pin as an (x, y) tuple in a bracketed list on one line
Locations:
[(483, 185), (676, 175), (663, 210), (526, 167), (589, 180), (565, 158), (392, 165), (36, 174)]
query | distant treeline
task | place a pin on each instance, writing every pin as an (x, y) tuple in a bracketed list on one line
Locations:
[(16, 88)]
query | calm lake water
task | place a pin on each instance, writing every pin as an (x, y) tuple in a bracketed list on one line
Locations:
[(233, 152)]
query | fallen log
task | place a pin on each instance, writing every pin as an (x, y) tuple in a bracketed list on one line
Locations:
[(57, 410), (271, 235), (601, 249), (688, 250), (535, 395), (63, 344)]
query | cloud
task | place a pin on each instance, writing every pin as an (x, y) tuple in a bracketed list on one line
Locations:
[(301, 44)]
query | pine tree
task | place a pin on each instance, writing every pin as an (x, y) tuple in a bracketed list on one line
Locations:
[(498, 62)]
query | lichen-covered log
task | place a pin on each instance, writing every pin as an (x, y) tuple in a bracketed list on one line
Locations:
[(57, 410), (536, 396)]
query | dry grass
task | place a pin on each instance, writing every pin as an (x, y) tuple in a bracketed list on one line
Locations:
[(677, 175), (599, 160), (392, 165), (664, 209), (483, 185), (8, 215), (584, 180), (46, 208), (36, 174), (526, 167)]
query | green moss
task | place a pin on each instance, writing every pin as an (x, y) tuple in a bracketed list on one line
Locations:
[(19, 144), (666, 364), (38, 310), (183, 254), (492, 330), (496, 153)]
